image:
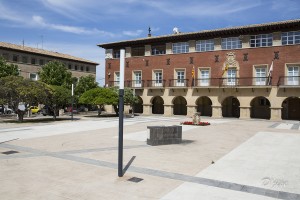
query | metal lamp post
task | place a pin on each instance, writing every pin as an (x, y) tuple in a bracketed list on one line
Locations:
[(72, 101), (121, 108)]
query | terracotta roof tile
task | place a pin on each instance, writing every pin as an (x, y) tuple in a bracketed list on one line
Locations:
[(43, 52)]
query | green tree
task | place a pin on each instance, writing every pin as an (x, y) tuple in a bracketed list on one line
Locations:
[(7, 69), (59, 96), (16, 90), (84, 84), (100, 97), (55, 73)]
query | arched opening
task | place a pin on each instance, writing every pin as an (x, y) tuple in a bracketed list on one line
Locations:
[(157, 105), (231, 107), (204, 106), (138, 107), (260, 108), (291, 108), (180, 106)]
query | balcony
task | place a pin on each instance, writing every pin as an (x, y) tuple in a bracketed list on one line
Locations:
[(135, 84), (245, 82), (178, 83), (113, 83), (289, 81), (156, 83)]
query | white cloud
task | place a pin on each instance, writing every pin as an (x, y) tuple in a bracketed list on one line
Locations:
[(133, 33)]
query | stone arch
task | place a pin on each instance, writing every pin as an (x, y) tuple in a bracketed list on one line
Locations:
[(290, 108), (231, 107), (260, 108), (179, 107), (204, 106), (158, 105), (138, 107)]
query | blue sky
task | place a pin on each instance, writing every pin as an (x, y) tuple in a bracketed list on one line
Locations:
[(75, 27)]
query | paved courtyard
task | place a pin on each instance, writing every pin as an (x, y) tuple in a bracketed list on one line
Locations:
[(230, 159)]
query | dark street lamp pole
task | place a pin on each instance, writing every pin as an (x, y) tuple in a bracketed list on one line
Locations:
[(121, 107)]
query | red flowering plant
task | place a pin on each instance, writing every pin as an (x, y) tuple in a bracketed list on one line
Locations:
[(197, 124)]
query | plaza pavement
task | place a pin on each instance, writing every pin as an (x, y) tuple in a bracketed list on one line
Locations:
[(230, 159)]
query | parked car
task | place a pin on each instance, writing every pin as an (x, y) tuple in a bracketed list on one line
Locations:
[(5, 110), (46, 110), (34, 109), (69, 109)]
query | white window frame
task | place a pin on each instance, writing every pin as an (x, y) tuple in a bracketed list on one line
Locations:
[(180, 47), (289, 38), (204, 76), (137, 78), (158, 80), (205, 45), (231, 43), (117, 79), (262, 40), (35, 78), (231, 76), (260, 74), (293, 75), (180, 76)]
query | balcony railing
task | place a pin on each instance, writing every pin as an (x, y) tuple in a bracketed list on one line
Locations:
[(178, 82), (245, 81), (293, 81), (113, 83), (156, 83), (206, 82), (135, 83)]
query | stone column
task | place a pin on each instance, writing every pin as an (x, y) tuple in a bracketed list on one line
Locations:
[(168, 110), (147, 50), (147, 109), (191, 110), (245, 112), (216, 111), (275, 113)]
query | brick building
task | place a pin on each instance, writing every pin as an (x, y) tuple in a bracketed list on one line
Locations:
[(245, 72), (30, 60)]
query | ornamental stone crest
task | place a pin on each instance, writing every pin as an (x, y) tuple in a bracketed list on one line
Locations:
[(230, 59)]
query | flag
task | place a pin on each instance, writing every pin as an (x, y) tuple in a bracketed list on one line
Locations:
[(225, 69), (193, 76), (270, 73)]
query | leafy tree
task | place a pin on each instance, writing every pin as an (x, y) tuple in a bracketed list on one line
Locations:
[(84, 84), (55, 73), (107, 96), (100, 97), (16, 90), (59, 96), (7, 69)]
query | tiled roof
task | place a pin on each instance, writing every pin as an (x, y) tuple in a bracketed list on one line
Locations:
[(43, 52), (216, 32)]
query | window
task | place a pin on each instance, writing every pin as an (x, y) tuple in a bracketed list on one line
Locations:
[(260, 75), (231, 77), (181, 47), (158, 78), (117, 79), (138, 51), (81, 68), (290, 37), (204, 77), (157, 50), (293, 75), (24, 59), (87, 68), (231, 43), (15, 58), (70, 66), (137, 79), (180, 78), (75, 67), (116, 53), (263, 40), (205, 45), (33, 61), (33, 76), (42, 62), (5, 56)]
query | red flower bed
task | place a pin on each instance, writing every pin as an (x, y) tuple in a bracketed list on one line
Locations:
[(199, 124)]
